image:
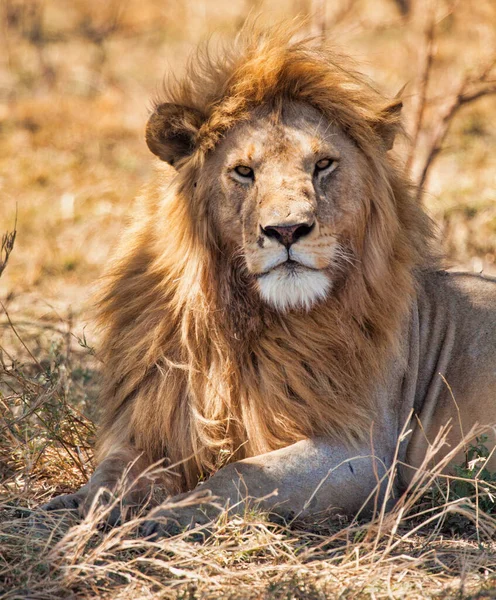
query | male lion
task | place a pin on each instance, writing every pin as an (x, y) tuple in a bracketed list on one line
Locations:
[(275, 314)]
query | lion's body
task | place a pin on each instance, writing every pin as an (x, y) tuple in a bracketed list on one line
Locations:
[(453, 359), (258, 382), (281, 316)]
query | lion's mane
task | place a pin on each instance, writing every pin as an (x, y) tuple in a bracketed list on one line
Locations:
[(196, 368)]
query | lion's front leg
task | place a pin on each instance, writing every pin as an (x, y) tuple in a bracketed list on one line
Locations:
[(122, 472), (311, 477)]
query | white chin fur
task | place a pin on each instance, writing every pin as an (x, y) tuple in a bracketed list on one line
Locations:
[(286, 289)]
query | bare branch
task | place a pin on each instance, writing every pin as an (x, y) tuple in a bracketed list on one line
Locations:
[(7, 246), (471, 89), (424, 78)]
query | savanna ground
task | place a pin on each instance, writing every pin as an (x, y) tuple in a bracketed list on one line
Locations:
[(76, 79)]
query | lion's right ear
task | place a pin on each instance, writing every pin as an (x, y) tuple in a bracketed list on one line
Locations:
[(388, 122), (172, 130)]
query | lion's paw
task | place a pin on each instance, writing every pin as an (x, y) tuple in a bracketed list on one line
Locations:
[(65, 502), (79, 504), (195, 522), (59, 511)]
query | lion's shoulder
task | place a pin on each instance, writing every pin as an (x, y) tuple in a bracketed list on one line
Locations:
[(462, 289), (457, 322)]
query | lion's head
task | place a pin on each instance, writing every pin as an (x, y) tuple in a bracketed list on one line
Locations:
[(286, 188), (289, 154), (266, 281)]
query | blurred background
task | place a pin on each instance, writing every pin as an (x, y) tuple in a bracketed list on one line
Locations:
[(76, 82)]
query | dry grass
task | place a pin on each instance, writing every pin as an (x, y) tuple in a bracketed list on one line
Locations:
[(75, 84), (432, 543)]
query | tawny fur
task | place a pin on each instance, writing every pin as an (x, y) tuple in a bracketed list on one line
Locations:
[(197, 369)]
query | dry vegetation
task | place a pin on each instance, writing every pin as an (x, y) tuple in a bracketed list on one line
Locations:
[(75, 80)]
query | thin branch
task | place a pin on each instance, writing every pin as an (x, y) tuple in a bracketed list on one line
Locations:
[(425, 76), (466, 94), (12, 326), (7, 246)]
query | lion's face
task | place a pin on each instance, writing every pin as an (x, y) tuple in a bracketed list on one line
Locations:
[(285, 193), (285, 189)]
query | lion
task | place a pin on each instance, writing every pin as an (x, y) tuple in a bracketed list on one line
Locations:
[(276, 317)]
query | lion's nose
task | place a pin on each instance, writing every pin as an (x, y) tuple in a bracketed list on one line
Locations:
[(287, 234)]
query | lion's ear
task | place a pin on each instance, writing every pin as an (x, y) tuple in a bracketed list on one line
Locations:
[(388, 123), (172, 130)]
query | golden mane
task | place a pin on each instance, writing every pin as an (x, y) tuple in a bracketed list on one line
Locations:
[(197, 368)]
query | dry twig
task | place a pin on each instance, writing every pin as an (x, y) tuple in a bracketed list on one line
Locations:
[(6, 247), (424, 79), (471, 88)]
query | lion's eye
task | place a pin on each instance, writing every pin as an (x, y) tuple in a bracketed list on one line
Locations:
[(324, 164), (244, 171)]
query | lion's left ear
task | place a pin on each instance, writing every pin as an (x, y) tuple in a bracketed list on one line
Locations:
[(172, 130), (388, 123)]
